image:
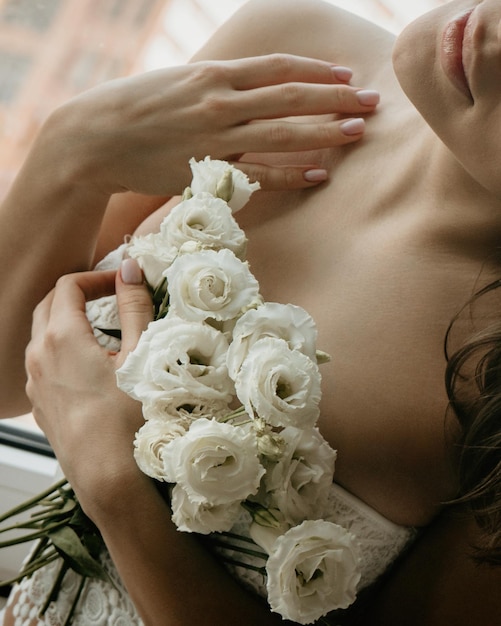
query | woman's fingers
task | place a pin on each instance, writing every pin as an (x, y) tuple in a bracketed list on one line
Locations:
[(279, 178), (277, 86), (62, 312), (140, 132), (272, 69), (134, 305), (285, 136), (64, 307), (294, 136), (297, 99)]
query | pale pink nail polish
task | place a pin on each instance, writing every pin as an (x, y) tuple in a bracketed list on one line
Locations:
[(131, 272), (342, 73), (315, 176), (368, 97), (352, 127)]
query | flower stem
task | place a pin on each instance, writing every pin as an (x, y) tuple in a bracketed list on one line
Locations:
[(42, 560), (27, 572), (75, 602), (238, 537), (240, 412), (32, 536), (231, 546), (30, 503), (53, 593), (260, 570)]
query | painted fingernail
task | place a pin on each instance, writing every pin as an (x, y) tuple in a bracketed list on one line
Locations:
[(353, 127), (342, 73), (315, 176), (368, 97), (131, 272)]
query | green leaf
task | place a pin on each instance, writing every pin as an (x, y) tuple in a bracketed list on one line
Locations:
[(68, 544), (79, 521)]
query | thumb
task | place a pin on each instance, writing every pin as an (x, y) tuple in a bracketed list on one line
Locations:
[(135, 306)]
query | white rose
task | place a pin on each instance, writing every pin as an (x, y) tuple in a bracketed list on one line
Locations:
[(153, 254), (280, 385), (185, 408), (210, 284), (284, 321), (313, 569), (149, 442), (175, 359), (202, 517), (214, 463), (299, 484), (210, 175), (206, 220)]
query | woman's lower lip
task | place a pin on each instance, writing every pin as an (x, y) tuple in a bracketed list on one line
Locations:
[(451, 53)]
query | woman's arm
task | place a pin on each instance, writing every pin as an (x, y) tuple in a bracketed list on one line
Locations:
[(171, 579), (138, 134)]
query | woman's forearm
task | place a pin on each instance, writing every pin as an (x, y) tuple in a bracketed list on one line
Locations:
[(49, 224), (170, 576)]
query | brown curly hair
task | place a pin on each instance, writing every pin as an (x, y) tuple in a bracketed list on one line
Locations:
[(473, 383)]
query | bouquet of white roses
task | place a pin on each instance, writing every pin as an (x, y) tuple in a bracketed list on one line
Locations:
[(230, 391)]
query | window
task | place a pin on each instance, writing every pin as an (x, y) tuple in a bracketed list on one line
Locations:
[(13, 69), (37, 16)]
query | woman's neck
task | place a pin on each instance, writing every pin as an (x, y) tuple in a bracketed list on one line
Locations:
[(406, 168), (466, 215)]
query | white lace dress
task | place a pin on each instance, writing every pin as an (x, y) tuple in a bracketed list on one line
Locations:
[(380, 542), (101, 604)]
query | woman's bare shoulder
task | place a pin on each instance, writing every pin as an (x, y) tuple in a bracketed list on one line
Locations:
[(303, 27)]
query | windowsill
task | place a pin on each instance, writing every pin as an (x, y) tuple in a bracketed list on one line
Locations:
[(23, 433), (27, 467)]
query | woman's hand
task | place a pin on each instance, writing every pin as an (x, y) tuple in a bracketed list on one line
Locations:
[(89, 422), (139, 133)]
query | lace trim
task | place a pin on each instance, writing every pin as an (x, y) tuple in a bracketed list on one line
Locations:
[(101, 603), (380, 540)]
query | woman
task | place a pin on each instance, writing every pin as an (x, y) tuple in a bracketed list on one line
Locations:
[(384, 254)]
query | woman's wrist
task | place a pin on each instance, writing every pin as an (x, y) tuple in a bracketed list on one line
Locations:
[(68, 145), (110, 498)]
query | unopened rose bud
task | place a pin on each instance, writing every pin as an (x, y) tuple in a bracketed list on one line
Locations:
[(187, 194), (272, 446), (188, 247), (224, 188), (322, 357)]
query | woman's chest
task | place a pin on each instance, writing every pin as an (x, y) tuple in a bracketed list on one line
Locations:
[(382, 297)]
